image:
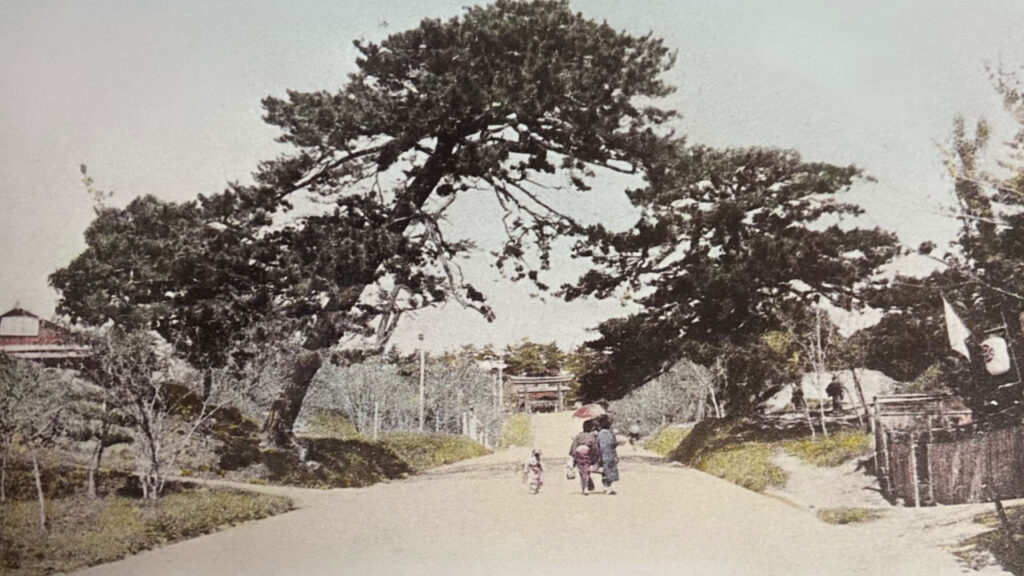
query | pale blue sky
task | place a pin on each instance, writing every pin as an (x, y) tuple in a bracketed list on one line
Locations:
[(163, 98)]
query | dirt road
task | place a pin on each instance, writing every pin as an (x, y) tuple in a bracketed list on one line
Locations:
[(476, 518)]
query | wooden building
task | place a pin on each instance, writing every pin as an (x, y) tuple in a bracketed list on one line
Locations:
[(27, 336)]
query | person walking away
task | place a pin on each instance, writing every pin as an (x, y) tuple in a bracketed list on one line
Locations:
[(835, 391), (533, 472), (609, 455), (585, 454), (798, 398)]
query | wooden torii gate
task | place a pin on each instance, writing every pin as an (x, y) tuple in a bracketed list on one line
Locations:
[(540, 392)]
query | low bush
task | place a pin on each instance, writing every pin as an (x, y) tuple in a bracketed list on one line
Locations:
[(515, 431), (666, 439), (426, 451), (834, 450), (845, 515), (87, 532)]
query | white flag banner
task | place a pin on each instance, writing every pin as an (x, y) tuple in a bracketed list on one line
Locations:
[(957, 331), (997, 356)]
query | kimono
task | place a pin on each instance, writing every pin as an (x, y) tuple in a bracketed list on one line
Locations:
[(533, 471), (585, 453), (609, 457)]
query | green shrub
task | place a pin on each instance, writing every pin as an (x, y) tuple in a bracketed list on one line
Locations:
[(87, 532), (515, 431), (426, 451), (666, 439), (845, 515), (837, 448)]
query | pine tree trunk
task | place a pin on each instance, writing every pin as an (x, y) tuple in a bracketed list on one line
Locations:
[(94, 467), (39, 490), (278, 429)]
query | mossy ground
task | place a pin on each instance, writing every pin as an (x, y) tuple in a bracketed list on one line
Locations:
[(666, 439), (847, 515), (425, 451), (834, 450)]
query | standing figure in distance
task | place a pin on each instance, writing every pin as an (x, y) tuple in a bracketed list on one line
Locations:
[(835, 391)]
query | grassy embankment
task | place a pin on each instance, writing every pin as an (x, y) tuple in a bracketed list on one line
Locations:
[(741, 453), (83, 532), (341, 457)]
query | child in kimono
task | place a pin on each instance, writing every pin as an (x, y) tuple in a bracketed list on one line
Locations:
[(533, 472)]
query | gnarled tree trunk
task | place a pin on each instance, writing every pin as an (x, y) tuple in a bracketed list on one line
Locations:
[(279, 427), (285, 410)]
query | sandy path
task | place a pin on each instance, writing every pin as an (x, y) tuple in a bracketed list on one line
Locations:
[(476, 518)]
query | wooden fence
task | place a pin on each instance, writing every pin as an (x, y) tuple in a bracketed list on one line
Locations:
[(937, 466)]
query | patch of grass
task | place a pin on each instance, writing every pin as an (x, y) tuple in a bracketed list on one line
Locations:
[(426, 451), (839, 447), (846, 515), (515, 431), (748, 465), (327, 423), (665, 440), (732, 451), (87, 532)]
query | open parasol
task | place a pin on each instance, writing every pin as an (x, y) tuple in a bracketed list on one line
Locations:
[(589, 411)]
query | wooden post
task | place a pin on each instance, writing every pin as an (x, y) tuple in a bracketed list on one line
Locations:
[(561, 404), (913, 469), (888, 468), (860, 394), (928, 464), (376, 420), (501, 381), (881, 447), (423, 377)]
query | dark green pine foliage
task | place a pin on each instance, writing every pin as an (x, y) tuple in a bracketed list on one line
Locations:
[(729, 244), (518, 101)]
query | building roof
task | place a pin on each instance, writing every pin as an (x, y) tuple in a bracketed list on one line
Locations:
[(33, 338)]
